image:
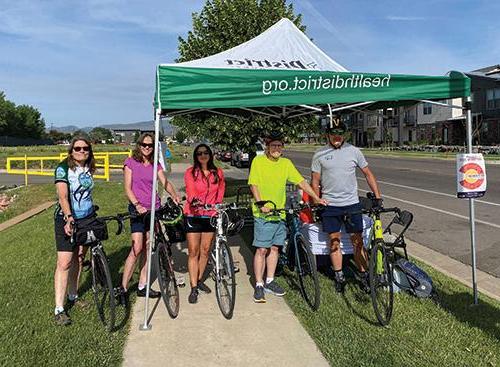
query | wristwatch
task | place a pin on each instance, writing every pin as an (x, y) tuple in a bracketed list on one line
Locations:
[(135, 204), (67, 216)]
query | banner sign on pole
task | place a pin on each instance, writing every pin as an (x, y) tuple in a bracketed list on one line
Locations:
[(471, 176)]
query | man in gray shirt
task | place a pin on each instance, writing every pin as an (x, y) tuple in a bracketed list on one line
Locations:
[(334, 171)]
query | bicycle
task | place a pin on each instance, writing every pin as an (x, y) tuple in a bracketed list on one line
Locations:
[(221, 259), (296, 254), (382, 256), (102, 284), (168, 218)]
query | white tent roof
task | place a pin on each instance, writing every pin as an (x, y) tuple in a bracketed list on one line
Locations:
[(282, 46)]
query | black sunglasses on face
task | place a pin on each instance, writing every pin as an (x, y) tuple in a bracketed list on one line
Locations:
[(85, 148), (144, 145), (202, 152)]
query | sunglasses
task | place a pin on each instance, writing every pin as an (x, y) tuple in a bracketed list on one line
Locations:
[(202, 152), (144, 145), (85, 148), (336, 132)]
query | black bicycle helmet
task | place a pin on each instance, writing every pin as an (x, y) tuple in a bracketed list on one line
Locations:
[(235, 225), (335, 124), (273, 136), (170, 213)]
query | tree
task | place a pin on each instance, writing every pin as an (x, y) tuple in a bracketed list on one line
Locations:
[(223, 24), (180, 136), (99, 134), (81, 134), (20, 121)]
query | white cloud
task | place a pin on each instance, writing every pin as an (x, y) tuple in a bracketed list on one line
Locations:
[(404, 19)]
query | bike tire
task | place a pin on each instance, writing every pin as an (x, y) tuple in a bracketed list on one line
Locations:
[(225, 282), (166, 279), (305, 267), (381, 283), (102, 288)]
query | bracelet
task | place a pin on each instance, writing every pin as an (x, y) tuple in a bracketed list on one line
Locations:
[(136, 203), (66, 217)]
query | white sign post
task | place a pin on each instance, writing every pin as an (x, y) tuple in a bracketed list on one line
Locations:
[(471, 183)]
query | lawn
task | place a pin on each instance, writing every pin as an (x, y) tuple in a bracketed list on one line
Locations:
[(28, 335), (28, 197), (422, 333)]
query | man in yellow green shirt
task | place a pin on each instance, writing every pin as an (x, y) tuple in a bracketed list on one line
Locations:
[(268, 177)]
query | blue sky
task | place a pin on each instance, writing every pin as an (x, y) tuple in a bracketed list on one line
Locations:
[(92, 62)]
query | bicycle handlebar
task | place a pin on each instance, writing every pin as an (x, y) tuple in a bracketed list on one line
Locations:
[(218, 207), (299, 207)]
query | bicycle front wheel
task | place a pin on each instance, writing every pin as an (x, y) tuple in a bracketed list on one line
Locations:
[(225, 280), (305, 266), (166, 279), (381, 286), (102, 288)]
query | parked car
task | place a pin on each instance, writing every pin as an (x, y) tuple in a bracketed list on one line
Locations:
[(224, 155), (240, 159)]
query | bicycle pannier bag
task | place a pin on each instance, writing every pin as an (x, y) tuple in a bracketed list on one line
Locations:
[(412, 279), (90, 230)]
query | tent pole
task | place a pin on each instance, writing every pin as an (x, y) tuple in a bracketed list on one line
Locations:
[(146, 325), (471, 204)]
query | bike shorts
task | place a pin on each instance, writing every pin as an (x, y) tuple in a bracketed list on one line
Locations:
[(137, 224), (268, 233), (334, 216), (63, 242), (198, 224)]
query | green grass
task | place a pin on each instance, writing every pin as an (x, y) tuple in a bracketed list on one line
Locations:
[(421, 333), (28, 197), (28, 335)]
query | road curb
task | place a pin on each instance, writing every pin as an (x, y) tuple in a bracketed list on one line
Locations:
[(26, 215), (487, 284)]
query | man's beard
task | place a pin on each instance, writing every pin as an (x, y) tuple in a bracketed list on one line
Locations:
[(336, 143)]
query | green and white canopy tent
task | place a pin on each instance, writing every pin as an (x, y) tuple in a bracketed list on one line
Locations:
[(282, 74)]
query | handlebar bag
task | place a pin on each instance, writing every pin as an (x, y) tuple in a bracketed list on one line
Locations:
[(90, 230)]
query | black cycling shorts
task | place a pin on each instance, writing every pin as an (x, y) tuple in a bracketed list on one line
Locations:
[(198, 225), (63, 242)]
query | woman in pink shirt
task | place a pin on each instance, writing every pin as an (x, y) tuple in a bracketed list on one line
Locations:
[(138, 184), (204, 185)]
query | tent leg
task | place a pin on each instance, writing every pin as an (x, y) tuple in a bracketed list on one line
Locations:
[(146, 325), (471, 206)]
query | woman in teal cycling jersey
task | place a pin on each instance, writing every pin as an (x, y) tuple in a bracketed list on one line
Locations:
[(74, 184)]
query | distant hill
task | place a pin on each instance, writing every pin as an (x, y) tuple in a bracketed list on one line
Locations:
[(165, 127)]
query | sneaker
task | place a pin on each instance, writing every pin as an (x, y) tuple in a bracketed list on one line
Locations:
[(274, 288), (193, 296), (122, 296), (364, 283), (152, 293), (340, 286), (204, 288), (62, 319), (78, 303), (258, 295), (340, 282)]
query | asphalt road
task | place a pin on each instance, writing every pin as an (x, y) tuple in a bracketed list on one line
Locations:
[(427, 188)]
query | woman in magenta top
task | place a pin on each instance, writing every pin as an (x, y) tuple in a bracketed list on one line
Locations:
[(138, 184), (204, 185)]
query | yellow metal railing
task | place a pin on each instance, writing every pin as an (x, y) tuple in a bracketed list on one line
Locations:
[(102, 162)]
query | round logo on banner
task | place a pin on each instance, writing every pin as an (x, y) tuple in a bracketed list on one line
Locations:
[(473, 176)]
